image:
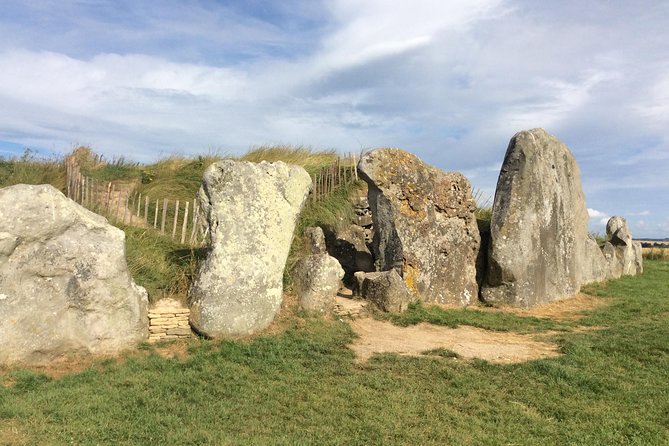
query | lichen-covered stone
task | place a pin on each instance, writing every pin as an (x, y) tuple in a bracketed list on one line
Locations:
[(539, 245), (424, 226), (64, 281), (251, 210), (316, 280)]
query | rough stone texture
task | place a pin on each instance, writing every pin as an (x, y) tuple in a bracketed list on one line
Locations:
[(539, 248), (627, 258), (424, 226), (386, 289), (594, 266), (316, 240), (251, 210), (316, 279), (64, 282)]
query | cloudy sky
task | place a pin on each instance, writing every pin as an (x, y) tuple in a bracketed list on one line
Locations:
[(448, 80)]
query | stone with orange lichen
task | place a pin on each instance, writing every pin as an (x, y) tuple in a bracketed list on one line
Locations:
[(424, 224)]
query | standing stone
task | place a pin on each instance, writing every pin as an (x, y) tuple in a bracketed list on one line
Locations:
[(64, 281), (424, 226), (539, 247), (316, 279), (627, 260), (251, 210)]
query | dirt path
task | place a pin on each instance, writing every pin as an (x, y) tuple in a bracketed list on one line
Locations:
[(468, 342)]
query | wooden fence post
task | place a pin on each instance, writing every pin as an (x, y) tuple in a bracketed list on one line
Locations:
[(155, 217), (162, 224), (185, 224), (176, 217), (139, 204), (146, 209), (118, 206), (125, 208)]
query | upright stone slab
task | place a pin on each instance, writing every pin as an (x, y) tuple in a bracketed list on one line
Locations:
[(539, 245), (424, 225), (251, 210), (64, 281), (626, 259)]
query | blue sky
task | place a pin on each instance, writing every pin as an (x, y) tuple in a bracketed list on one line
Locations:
[(450, 81)]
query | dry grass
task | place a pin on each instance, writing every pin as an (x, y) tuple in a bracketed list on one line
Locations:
[(655, 253)]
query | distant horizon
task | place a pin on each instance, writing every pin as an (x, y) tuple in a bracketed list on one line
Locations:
[(451, 82)]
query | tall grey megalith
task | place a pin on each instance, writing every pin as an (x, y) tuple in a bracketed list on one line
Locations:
[(250, 210)]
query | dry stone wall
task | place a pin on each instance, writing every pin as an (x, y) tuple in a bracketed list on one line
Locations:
[(168, 320)]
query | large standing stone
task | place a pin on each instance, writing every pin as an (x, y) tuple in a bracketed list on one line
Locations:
[(424, 226), (539, 240), (251, 210), (64, 282)]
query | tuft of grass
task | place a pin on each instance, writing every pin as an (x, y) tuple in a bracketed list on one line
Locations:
[(655, 253), (31, 169), (303, 156), (455, 317)]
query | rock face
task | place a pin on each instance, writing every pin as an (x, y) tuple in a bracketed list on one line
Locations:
[(64, 282), (386, 289), (538, 249), (424, 226), (624, 254), (250, 210), (316, 278)]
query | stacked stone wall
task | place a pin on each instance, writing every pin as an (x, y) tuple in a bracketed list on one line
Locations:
[(168, 320)]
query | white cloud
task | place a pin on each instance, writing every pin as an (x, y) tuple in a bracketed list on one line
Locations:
[(451, 81)]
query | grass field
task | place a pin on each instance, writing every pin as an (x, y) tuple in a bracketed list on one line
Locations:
[(302, 386)]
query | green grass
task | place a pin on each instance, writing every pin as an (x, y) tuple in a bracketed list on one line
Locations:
[(30, 169), (165, 268), (303, 387)]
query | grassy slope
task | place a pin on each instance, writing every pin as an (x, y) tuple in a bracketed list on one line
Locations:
[(303, 387), (163, 267)]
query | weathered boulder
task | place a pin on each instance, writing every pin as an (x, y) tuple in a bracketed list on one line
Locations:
[(251, 210), (316, 279), (424, 226), (64, 281), (627, 260), (539, 240), (386, 289)]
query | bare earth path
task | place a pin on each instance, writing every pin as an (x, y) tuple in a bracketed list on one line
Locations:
[(468, 342)]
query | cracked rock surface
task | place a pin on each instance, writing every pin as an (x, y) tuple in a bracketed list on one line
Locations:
[(64, 281)]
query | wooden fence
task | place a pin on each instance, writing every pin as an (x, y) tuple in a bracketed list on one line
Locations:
[(121, 204), (329, 178)]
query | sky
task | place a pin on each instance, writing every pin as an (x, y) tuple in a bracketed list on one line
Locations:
[(448, 80)]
